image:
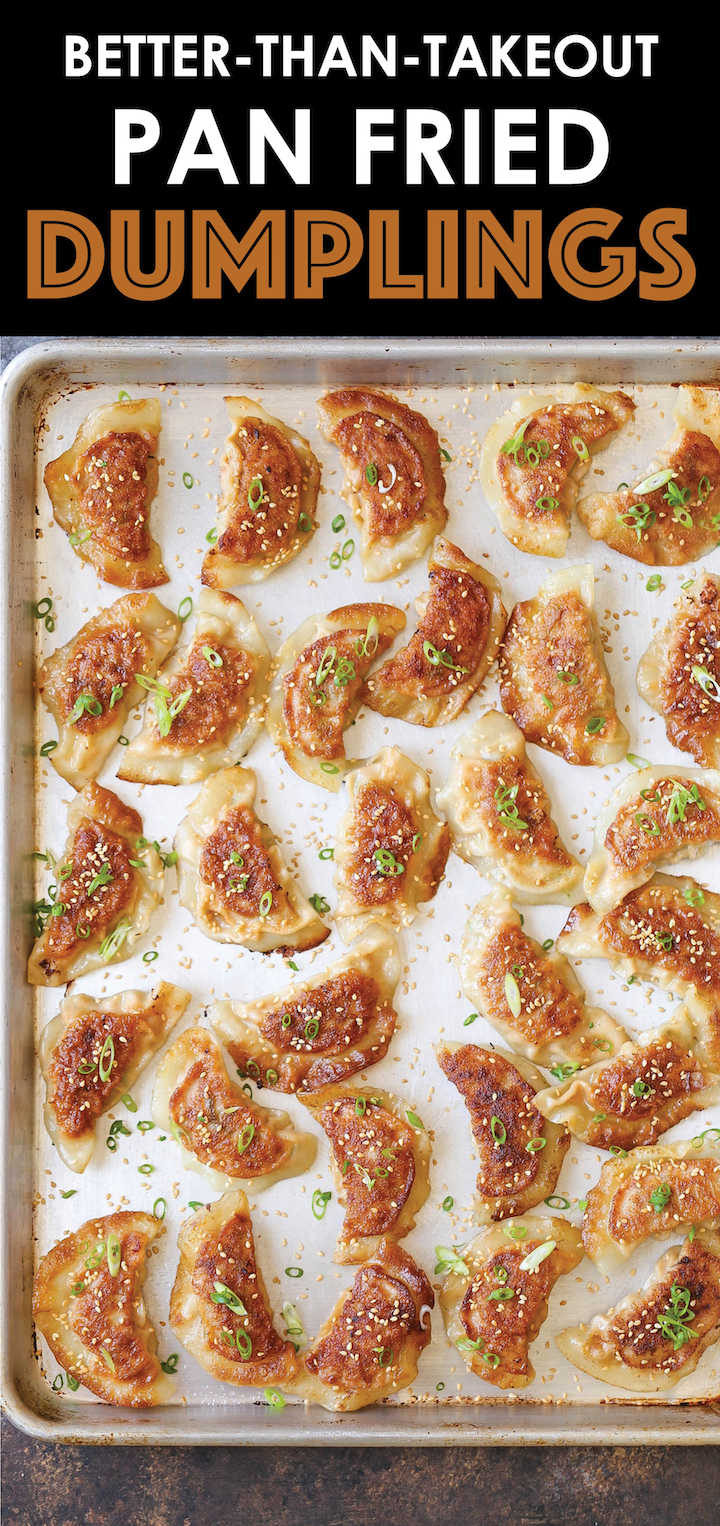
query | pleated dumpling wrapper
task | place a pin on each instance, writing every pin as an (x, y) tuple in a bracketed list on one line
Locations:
[(679, 674), (553, 678), (535, 456), (88, 1305), (498, 812), (93, 682), (495, 1293), (394, 481), (101, 490), (269, 481), (657, 816), (223, 1135), (205, 708), (670, 518), (655, 1190)]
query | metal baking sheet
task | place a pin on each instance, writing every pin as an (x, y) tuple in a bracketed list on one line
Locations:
[(462, 387)]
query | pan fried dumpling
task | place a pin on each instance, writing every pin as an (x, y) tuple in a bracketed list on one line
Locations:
[(520, 1155), (636, 1095), (93, 1052), (495, 1296), (269, 480), (534, 458), (101, 490), (219, 1307), (499, 817), (91, 1311), (393, 478), (232, 874), (462, 620), (107, 886), (90, 686), (369, 1346), (679, 674), (667, 520), (553, 678), (379, 1160), (657, 1190), (655, 817), (217, 685), (222, 1135), (668, 932), (657, 1335), (316, 691), (320, 1030), (533, 998), (391, 848)]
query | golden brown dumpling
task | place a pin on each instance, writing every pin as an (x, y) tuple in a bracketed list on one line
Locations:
[(520, 1154), (462, 619), (655, 817), (534, 459), (90, 684), (657, 1335), (108, 884), (206, 708), (379, 1157), (496, 1292), (92, 1052), (232, 874), (316, 690), (269, 481), (679, 674), (670, 518), (657, 1190), (391, 848), (88, 1305), (369, 1346), (498, 813), (394, 480), (225, 1137), (532, 997), (320, 1030), (101, 490), (219, 1307), (553, 678)]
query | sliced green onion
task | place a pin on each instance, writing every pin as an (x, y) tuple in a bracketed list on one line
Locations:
[(413, 1119), (157, 1215), (326, 853), (195, 1206), (347, 550), (106, 1354), (580, 448), (446, 457), (274, 1398), (448, 1203), (694, 895), (304, 523), (185, 608), (558, 1202), (699, 1139), (534, 1146), (498, 1130), (564, 1069), (449, 1261), (636, 761), (266, 901), (535, 1257), (79, 537), (367, 646), (312, 1028), (515, 1231), (170, 1366), (47, 748), (188, 480), (547, 505), (43, 608), (108, 1049), (255, 494), (335, 560), (151, 955), (360, 1106), (83, 703), (212, 536), (72, 1383), (146, 1169), (212, 657), (115, 940), (371, 473), (114, 1255), (116, 694), (320, 1201), (708, 683), (653, 583), (658, 479), (245, 1138), (567, 677), (329, 768), (293, 1324), (338, 524), (660, 1197), (512, 995), (293, 1271), (547, 944), (471, 1019), (223, 1294)]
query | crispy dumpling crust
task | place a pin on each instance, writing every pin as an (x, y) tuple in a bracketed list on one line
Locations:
[(340, 1021), (306, 718), (133, 635), (117, 1034), (249, 898), (394, 481), (224, 714), (553, 678), (370, 1344), (629, 1347), (193, 1099), (674, 522), (380, 1165), (258, 533), (217, 1247), (532, 491), (684, 1178), (103, 831), (104, 484), (490, 785), (650, 820), (498, 960), (83, 1310), (520, 1154), (679, 674), (391, 848), (638, 1094), (462, 620), (494, 1334)]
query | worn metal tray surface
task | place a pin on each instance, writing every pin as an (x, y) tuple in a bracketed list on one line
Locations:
[(462, 387)]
